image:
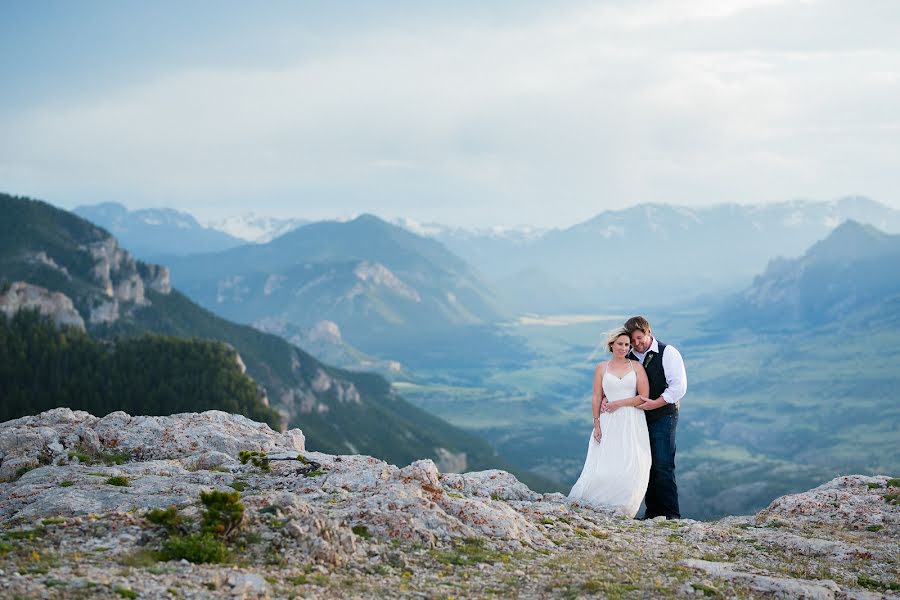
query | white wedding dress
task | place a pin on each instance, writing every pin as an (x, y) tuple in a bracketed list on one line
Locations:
[(617, 468)]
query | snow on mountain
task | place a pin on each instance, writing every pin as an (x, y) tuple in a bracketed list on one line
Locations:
[(256, 228)]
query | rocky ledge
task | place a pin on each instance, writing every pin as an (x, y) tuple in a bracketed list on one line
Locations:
[(77, 519)]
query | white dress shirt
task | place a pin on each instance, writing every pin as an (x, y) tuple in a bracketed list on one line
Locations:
[(673, 367)]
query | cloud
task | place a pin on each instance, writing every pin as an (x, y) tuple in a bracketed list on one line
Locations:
[(475, 123)]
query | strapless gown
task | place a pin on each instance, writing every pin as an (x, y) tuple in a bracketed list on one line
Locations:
[(617, 468)]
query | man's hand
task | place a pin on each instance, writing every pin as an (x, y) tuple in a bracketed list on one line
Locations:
[(649, 404)]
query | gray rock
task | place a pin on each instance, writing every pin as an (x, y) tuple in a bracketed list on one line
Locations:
[(785, 587)]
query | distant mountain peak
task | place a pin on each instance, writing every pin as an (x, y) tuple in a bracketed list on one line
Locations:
[(849, 241)]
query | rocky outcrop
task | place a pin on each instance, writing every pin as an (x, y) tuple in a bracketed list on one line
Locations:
[(122, 279), (156, 277), (378, 275), (56, 305), (359, 527), (42, 258)]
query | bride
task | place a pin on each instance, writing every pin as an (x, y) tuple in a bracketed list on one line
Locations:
[(617, 467)]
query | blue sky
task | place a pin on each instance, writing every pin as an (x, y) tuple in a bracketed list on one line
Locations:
[(466, 113)]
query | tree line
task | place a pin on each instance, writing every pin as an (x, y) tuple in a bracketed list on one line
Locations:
[(43, 366)]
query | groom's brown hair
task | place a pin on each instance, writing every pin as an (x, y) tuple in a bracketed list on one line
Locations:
[(635, 323)]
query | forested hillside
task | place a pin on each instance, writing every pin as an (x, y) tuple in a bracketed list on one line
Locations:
[(44, 367)]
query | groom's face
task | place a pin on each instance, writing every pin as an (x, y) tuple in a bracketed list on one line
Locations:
[(641, 341)]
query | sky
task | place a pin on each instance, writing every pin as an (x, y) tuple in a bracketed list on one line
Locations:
[(467, 113)]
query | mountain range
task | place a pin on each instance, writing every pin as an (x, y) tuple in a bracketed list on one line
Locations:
[(686, 252), (117, 296), (384, 286), (689, 252), (152, 232)]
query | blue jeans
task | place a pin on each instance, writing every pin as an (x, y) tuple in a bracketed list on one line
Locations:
[(662, 491)]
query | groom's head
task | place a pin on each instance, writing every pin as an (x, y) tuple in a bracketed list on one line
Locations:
[(638, 329)]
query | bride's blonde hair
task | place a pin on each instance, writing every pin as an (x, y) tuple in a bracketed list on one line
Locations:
[(614, 335)]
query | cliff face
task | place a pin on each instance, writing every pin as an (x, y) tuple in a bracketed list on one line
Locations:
[(354, 526), (55, 305)]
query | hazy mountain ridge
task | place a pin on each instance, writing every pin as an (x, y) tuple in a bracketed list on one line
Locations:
[(335, 406), (372, 278), (854, 267), (153, 232), (684, 251)]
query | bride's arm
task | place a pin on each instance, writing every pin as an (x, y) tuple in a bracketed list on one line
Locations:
[(596, 398)]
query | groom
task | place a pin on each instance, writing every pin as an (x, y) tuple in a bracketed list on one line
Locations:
[(668, 384)]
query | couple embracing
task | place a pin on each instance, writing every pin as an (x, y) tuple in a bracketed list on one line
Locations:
[(631, 453)]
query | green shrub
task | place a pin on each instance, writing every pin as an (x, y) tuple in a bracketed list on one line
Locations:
[(362, 531), (195, 548), (470, 551), (22, 470), (119, 480), (224, 512), (125, 592), (257, 458), (168, 518), (66, 484), (87, 456)]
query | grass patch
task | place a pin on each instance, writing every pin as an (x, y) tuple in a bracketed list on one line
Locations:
[(66, 484), (298, 580), (142, 558), (24, 534), (871, 583), (238, 484), (362, 531), (197, 548), (257, 458), (874, 527), (53, 521), (86, 456), (22, 470), (892, 498), (707, 590), (315, 473), (470, 551), (893, 482), (118, 480), (124, 592)]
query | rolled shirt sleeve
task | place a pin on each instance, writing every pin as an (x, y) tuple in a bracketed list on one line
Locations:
[(676, 377)]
